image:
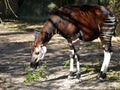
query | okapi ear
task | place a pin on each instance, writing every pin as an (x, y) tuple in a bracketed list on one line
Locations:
[(36, 33)]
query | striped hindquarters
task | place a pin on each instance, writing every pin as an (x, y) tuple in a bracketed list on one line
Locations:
[(108, 28)]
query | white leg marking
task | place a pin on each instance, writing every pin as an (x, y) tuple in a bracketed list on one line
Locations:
[(77, 69), (71, 61), (71, 64), (78, 64), (107, 57)]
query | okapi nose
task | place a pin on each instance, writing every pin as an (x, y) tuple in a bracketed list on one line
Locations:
[(33, 66)]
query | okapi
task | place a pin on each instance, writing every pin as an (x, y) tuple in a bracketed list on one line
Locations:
[(76, 23)]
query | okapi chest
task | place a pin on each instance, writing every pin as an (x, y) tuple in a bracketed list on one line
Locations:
[(82, 21)]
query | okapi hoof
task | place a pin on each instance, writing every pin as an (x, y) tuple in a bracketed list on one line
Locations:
[(71, 75), (77, 81), (102, 76), (78, 75), (77, 78)]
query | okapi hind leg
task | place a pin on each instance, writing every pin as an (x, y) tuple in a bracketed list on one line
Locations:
[(107, 31), (107, 58), (106, 41)]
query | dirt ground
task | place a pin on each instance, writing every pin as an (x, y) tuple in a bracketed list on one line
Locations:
[(15, 53)]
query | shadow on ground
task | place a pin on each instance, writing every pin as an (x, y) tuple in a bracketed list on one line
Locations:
[(15, 55)]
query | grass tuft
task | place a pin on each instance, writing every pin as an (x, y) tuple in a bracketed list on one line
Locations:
[(38, 74)]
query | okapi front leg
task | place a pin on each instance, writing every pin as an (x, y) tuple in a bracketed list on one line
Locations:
[(71, 74), (74, 56), (78, 71), (76, 45)]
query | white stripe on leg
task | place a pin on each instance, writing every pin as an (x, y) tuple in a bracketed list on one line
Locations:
[(107, 57), (78, 64), (72, 61), (78, 69), (71, 64)]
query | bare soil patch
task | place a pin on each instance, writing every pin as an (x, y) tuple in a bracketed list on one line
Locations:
[(15, 52)]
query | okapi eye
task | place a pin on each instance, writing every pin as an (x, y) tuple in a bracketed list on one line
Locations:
[(36, 53)]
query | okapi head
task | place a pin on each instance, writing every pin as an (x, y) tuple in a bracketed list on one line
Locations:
[(38, 52), (41, 38)]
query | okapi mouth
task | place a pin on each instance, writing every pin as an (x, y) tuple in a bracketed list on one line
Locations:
[(34, 65)]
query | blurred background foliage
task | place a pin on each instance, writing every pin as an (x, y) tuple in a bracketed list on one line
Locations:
[(39, 10)]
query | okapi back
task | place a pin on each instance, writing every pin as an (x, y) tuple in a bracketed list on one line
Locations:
[(84, 18)]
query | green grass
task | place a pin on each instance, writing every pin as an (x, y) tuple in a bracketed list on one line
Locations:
[(38, 74), (66, 64), (113, 75)]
